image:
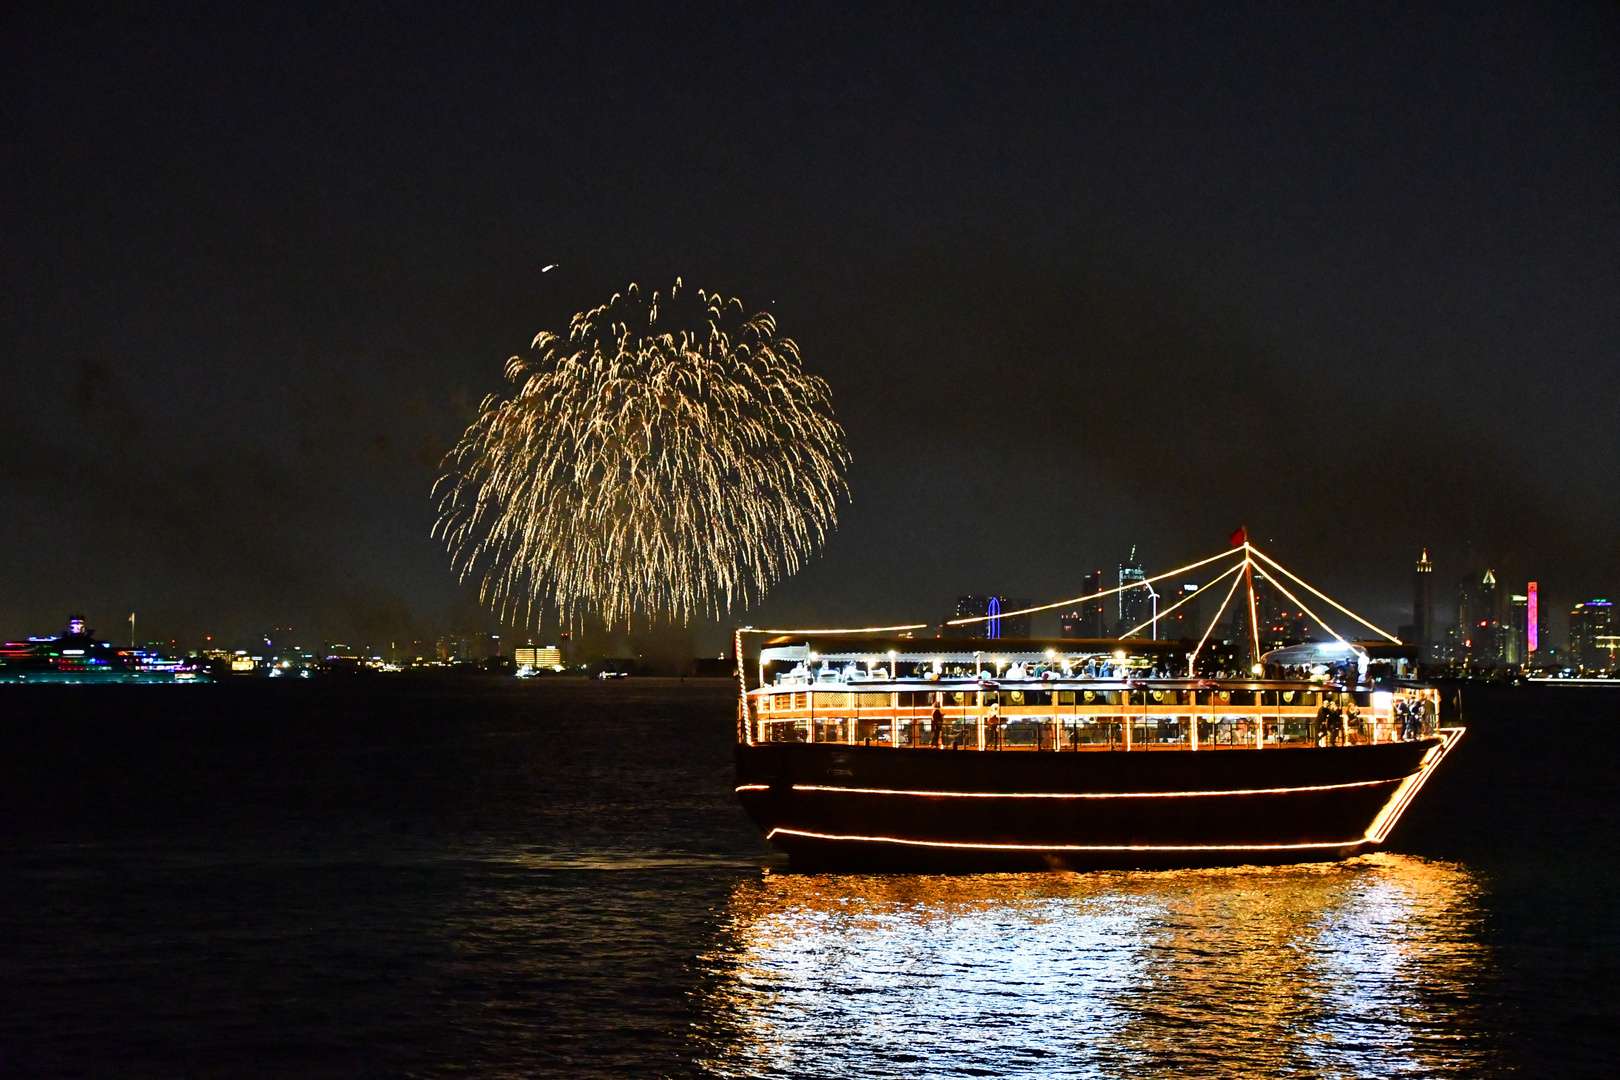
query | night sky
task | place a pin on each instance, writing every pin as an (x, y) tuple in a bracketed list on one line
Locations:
[(1347, 275)]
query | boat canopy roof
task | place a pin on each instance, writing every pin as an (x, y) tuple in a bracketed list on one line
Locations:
[(959, 650), (1315, 652)]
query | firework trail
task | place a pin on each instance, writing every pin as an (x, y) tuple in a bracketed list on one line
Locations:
[(668, 458)]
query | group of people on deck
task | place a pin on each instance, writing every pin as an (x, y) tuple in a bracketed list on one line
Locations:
[(1335, 721), (1415, 717)]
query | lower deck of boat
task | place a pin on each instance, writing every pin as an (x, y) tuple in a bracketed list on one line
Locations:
[(873, 807)]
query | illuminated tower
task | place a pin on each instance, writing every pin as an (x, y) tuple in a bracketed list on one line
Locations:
[(1423, 606), (1133, 603), (1532, 630)]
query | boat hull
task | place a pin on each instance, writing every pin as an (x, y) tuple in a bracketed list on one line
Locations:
[(834, 806)]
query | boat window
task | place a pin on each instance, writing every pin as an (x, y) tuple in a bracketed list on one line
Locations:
[(832, 700), (872, 701), (1015, 697)]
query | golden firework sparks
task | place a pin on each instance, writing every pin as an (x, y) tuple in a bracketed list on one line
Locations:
[(668, 457)]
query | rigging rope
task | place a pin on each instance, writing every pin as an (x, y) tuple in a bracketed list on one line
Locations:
[(1246, 549)]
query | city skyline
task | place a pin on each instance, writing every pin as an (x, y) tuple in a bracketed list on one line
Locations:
[(1484, 623)]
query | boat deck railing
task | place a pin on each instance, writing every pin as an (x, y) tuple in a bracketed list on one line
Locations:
[(1080, 719)]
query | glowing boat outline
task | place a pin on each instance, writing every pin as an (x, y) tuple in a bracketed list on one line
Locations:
[(854, 761)]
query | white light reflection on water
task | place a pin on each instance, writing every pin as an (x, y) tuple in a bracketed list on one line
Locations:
[(1366, 968)]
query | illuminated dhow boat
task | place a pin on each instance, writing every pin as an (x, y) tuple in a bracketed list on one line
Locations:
[(875, 749)]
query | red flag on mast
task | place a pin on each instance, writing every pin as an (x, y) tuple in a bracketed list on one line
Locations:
[(1239, 538)]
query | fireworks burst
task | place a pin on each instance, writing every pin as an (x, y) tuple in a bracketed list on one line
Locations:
[(669, 457)]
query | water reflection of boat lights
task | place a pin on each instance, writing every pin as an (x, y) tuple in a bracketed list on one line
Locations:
[(1358, 968)]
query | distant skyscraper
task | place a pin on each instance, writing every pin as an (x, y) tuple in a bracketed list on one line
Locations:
[(1488, 644), (1423, 606), (1517, 631), (1089, 618), (1462, 640), (1479, 636), (1592, 635), (1133, 604)]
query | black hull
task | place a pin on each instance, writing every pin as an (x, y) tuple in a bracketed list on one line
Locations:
[(832, 806)]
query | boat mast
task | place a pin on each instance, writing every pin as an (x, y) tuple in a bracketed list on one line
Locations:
[(1254, 610)]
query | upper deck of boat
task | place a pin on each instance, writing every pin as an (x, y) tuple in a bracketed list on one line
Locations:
[(858, 685), (1085, 698)]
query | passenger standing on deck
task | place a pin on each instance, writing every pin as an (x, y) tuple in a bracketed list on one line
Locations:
[(937, 721), (993, 722), (1324, 724)]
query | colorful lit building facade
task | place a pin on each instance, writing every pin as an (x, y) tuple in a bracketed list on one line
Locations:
[(1592, 635)]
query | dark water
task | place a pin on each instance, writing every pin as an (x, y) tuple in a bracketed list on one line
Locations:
[(530, 879)]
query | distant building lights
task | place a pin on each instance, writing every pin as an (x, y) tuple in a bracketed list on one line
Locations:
[(1534, 632)]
